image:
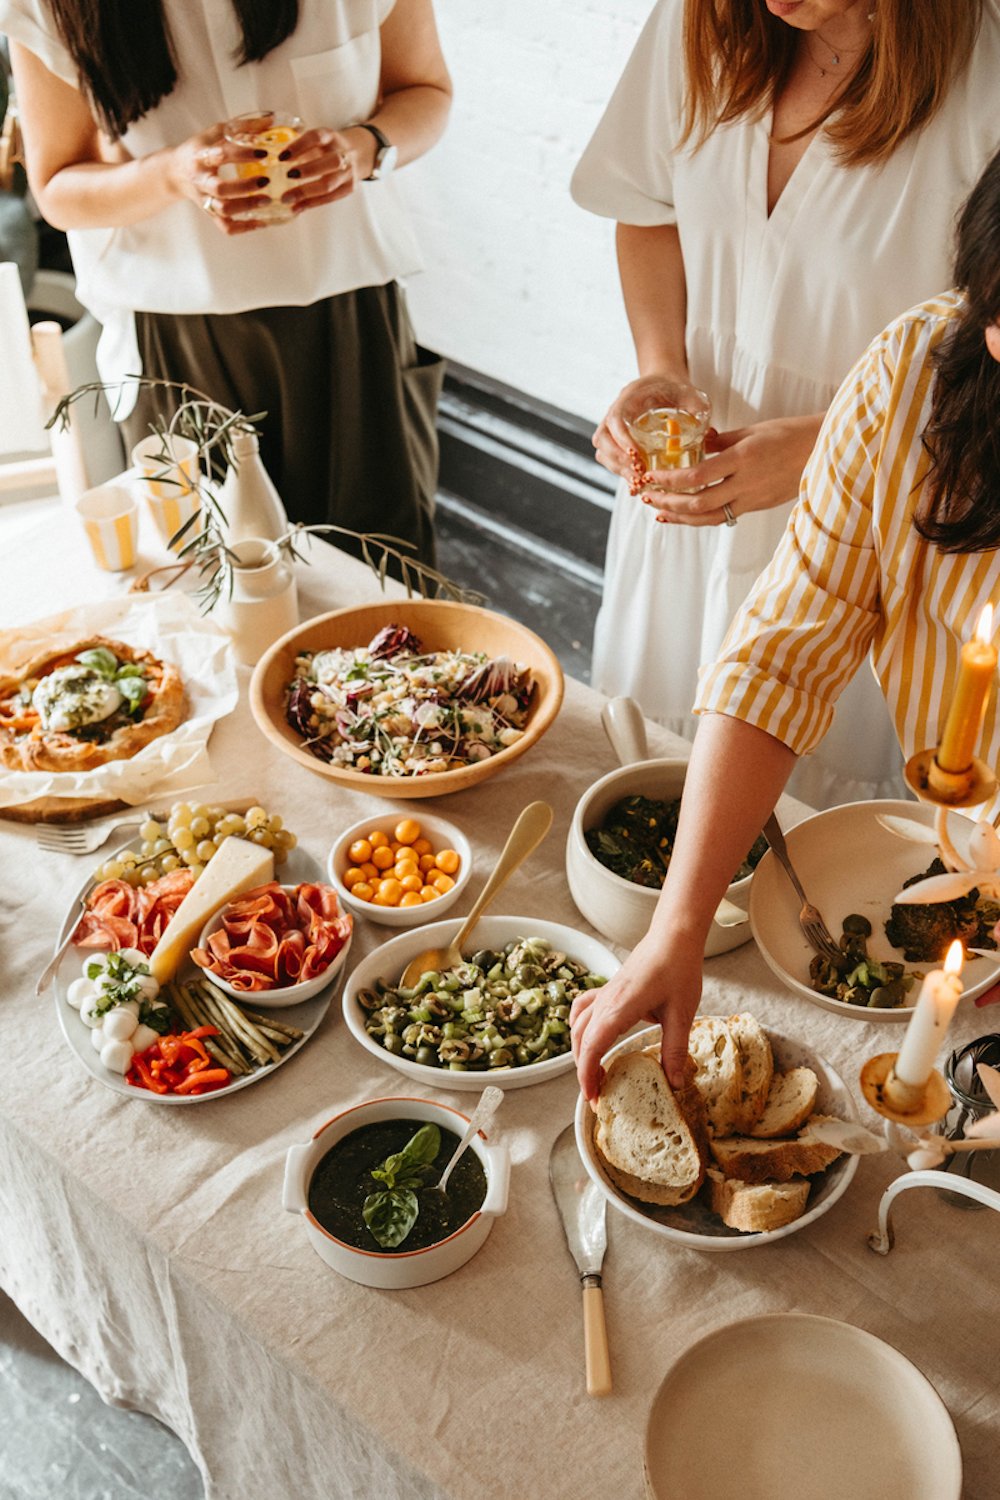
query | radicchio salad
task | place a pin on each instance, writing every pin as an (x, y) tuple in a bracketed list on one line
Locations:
[(392, 709)]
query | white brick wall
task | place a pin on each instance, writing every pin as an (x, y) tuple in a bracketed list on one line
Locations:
[(520, 283)]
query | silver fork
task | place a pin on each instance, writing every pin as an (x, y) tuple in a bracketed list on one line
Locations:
[(817, 933), (83, 838)]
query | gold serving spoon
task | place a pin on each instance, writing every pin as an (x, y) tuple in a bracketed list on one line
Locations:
[(525, 836)]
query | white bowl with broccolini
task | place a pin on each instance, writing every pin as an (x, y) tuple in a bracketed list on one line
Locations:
[(503, 1018)]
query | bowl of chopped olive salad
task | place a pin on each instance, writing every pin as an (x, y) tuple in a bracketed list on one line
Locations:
[(501, 1017), (853, 867), (619, 846)]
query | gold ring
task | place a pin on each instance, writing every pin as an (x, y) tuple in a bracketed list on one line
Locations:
[(727, 511), (208, 204)]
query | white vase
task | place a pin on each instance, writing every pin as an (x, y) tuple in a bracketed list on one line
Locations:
[(264, 602), (249, 500)]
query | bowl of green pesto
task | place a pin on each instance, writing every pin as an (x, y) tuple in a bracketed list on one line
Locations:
[(365, 1188)]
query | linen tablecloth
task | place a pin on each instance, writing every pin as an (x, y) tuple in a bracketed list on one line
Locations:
[(149, 1245)]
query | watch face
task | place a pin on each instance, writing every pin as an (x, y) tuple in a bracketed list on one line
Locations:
[(385, 161)]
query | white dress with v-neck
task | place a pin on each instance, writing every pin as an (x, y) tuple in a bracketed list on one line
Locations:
[(778, 310)]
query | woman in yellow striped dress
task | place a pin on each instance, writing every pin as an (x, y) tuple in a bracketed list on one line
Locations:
[(892, 548)]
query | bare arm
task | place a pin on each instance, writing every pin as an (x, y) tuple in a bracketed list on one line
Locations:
[(81, 181), (415, 100), (734, 779)]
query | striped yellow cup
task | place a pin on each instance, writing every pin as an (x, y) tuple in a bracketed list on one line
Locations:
[(110, 518), (169, 470)]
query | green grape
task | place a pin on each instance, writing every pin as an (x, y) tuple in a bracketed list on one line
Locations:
[(200, 827), (205, 849), (183, 839), (169, 862), (190, 857), (216, 814), (148, 874), (150, 831), (181, 815), (112, 869), (231, 823), (275, 822), (132, 875), (262, 836), (284, 840), (197, 869), (128, 858), (256, 817), (163, 846), (147, 849), (199, 810), (280, 854)]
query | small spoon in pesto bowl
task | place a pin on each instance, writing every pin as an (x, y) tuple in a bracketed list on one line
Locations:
[(489, 1102)]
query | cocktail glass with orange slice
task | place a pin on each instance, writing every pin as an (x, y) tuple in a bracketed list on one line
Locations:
[(267, 131), (669, 430)]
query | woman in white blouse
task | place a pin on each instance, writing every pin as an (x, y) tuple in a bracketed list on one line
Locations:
[(784, 174), (123, 110)]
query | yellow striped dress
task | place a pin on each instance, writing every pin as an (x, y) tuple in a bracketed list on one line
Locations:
[(852, 574)]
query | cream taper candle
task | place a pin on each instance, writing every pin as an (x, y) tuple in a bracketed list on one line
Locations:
[(930, 1020)]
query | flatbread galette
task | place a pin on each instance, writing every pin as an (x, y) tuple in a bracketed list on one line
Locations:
[(93, 702)]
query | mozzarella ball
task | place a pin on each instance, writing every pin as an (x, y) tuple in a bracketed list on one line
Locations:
[(88, 1014), (148, 987), (116, 1056), (97, 1038), (94, 964), (79, 991), (120, 1023), (143, 1037), (133, 956)]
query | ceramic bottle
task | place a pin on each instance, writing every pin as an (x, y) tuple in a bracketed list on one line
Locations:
[(248, 497)]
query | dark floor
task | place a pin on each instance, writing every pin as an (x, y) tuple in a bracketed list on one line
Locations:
[(58, 1441)]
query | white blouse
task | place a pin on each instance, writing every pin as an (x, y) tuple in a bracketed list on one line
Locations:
[(328, 73), (779, 308)]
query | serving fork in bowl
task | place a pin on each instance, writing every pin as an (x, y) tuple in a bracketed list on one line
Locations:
[(816, 932)]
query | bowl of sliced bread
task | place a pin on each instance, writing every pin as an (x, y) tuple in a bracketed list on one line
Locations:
[(737, 1157)]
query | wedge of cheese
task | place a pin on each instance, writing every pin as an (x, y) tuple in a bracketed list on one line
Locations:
[(236, 867)]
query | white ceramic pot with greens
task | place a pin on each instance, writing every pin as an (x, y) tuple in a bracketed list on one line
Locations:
[(616, 907), (396, 1269)]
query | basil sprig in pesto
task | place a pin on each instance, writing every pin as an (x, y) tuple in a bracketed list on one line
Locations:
[(391, 1213)]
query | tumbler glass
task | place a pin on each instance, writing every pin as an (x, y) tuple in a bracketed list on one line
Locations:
[(269, 131)]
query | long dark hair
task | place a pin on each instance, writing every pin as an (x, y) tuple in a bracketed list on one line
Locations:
[(962, 437), (125, 57)]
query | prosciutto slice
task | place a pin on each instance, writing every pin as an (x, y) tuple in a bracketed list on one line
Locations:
[(118, 915), (272, 938)]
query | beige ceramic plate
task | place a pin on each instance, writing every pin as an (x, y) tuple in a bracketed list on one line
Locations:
[(796, 1405), (848, 862)]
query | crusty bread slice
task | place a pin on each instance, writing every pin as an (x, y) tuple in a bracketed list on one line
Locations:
[(757, 1161), (642, 1132), (758, 1068), (647, 1192), (719, 1073), (756, 1208), (790, 1102)]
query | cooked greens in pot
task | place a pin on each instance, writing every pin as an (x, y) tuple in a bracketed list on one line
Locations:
[(503, 1008), (636, 840)]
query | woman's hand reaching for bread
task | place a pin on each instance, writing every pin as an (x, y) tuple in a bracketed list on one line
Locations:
[(747, 469), (658, 982)]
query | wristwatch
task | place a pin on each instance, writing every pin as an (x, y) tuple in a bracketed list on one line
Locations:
[(385, 155)]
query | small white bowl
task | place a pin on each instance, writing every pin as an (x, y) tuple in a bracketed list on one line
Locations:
[(442, 834), (402, 1268), (389, 961), (693, 1224), (291, 994)]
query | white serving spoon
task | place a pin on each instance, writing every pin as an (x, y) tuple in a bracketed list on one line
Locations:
[(489, 1102)]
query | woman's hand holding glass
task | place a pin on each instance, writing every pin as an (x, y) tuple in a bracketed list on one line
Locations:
[(196, 170), (614, 446), (327, 166), (746, 469)]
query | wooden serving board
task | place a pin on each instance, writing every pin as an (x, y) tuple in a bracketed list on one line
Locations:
[(62, 810)]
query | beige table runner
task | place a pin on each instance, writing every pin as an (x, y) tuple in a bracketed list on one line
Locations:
[(149, 1244)]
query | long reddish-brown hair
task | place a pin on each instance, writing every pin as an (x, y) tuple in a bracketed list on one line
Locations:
[(738, 56)]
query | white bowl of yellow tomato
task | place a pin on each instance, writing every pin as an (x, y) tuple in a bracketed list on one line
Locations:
[(400, 871)]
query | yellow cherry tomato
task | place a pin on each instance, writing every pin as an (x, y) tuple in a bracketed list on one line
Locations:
[(422, 846), (363, 891), (428, 893), (442, 882), (407, 830), (382, 857), (390, 891), (353, 876), (370, 871), (378, 839), (360, 851), (447, 860), (427, 862), (411, 898), (411, 883)]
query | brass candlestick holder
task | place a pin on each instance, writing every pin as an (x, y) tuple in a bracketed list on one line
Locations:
[(903, 1103), (931, 783)]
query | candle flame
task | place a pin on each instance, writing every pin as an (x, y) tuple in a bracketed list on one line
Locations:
[(953, 961), (984, 630)]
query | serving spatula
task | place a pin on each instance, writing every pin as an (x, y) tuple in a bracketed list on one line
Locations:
[(582, 1208)]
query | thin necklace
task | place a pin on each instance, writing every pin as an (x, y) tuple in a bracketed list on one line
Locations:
[(834, 54)]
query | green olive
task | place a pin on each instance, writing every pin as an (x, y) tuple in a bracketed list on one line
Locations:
[(858, 925)]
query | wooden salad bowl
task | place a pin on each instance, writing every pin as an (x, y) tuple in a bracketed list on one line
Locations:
[(441, 626)]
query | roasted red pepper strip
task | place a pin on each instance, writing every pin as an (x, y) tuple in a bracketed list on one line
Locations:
[(214, 1077), (146, 1079)]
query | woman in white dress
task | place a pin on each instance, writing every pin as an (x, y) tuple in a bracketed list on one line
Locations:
[(773, 214)]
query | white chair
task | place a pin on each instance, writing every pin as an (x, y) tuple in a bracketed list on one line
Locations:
[(33, 379)]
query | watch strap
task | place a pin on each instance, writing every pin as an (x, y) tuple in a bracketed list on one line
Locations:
[(381, 140)]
